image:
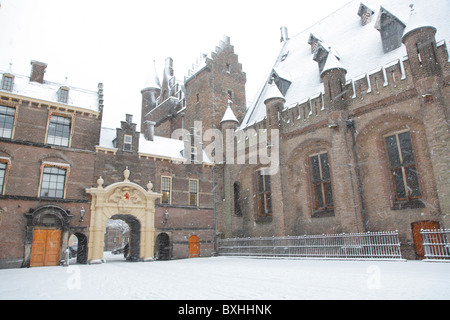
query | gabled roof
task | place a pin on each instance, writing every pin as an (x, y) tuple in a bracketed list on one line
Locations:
[(359, 46)]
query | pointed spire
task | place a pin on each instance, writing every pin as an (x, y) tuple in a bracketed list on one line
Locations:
[(415, 21), (273, 92), (332, 63), (229, 114), (153, 80)]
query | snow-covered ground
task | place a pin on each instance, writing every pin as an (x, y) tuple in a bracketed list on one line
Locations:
[(228, 278)]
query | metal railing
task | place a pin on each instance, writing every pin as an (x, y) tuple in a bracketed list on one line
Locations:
[(436, 244), (370, 245)]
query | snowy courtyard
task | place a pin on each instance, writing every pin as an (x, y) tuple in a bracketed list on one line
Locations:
[(228, 278)]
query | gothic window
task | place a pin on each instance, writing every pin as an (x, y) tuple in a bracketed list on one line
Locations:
[(237, 197), (59, 131), (402, 167), (321, 181), (264, 195), (6, 121), (166, 189), (193, 192), (53, 181)]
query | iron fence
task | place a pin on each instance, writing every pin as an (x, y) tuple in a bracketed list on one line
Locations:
[(436, 244), (370, 245)]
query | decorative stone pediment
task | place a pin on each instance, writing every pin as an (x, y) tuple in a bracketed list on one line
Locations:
[(122, 198)]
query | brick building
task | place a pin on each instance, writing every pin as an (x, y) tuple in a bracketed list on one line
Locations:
[(348, 133), (361, 104), (48, 134)]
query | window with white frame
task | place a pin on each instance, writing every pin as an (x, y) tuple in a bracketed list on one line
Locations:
[(6, 121), (59, 130), (127, 143)]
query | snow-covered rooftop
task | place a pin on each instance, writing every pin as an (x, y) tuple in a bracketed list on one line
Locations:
[(48, 91), (358, 47), (160, 147)]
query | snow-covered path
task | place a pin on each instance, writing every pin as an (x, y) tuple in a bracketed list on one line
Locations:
[(230, 279)]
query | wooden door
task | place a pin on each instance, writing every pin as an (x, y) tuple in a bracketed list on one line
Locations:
[(194, 247), (45, 250), (417, 237)]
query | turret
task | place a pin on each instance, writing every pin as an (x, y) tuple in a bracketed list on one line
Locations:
[(150, 94), (274, 104), (419, 40), (333, 77)]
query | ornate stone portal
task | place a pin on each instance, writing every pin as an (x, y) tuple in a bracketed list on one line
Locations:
[(122, 198)]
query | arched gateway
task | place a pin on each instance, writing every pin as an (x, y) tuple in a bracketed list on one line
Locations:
[(122, 198)]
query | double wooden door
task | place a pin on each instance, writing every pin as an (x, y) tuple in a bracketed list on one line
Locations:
[(45, 250)]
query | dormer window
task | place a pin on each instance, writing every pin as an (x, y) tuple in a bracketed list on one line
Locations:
[(391, 30), (63, 94), (313, 41), (365, 13), (7, 82), (282, 81), (321, 55)]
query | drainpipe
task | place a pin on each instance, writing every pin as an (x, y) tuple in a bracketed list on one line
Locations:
[(214, 209), (351, 126)]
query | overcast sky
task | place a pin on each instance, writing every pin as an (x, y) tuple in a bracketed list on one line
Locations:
[(115, 42)]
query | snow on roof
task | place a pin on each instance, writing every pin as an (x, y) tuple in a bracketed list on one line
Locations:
[(359, 46), (273, 92), (332, 63), (160, 147), (48, 91), (153, 79), (229, 114)]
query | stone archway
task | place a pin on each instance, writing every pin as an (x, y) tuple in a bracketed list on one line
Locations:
[(122, 198)]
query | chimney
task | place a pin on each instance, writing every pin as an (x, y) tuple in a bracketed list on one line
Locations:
[(149, 130), (169, 67), (37, 71), (284, 34), (129, 118)]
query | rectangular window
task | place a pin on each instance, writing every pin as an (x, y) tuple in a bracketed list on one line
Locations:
[(403, 167), (264, 196), (63, 95), (6, 121), (193, 192), (59, 131), (166, 187), (3, 170), (127, 143), (7, 83), (53, 182), (193, 154), (321, 179)]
